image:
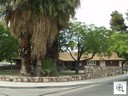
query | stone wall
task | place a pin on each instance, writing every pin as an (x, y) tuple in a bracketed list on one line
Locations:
[(102, 71), (90, 73), (43, 79)]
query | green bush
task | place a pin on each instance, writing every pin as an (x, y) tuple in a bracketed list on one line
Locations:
[(47, 67)]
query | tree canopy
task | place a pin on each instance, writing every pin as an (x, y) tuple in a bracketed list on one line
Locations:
[(85, 39), (117, 22), (8, 44), (120, 44), (89, 37), (120, 36)]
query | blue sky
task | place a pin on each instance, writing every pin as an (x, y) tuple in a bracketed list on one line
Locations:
[(98, 11)]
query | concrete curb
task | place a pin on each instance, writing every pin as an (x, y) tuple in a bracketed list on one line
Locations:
[(5, 84)]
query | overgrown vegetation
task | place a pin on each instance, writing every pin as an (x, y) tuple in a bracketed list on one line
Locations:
[(8, 44), (48, 68)]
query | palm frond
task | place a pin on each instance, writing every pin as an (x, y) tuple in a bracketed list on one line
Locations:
[(42, 19)]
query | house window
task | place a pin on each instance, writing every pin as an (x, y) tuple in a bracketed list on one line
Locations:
[(91, 63)]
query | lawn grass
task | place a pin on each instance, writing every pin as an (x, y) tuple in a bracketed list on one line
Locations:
[(10, 72), (68, 73), (65, 73), (17, 73)]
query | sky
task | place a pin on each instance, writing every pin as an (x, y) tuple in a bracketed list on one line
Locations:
[(98, 11)]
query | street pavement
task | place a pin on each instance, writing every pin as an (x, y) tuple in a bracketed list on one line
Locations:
[(103, 89)]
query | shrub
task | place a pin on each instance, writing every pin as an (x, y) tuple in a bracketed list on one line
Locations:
[(47, 68)]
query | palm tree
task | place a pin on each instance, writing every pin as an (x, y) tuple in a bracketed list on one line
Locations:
[(36, 23)]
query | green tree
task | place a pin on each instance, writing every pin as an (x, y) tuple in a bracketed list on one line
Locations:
[(117, 22), (8, 44), (120, 44), (37, 24), (85, 39)]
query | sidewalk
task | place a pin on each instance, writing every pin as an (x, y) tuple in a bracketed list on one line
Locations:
[(4, 84)]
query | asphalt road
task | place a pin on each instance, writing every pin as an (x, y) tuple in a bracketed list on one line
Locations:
[(104, 89), (98, 90), (30, 91)]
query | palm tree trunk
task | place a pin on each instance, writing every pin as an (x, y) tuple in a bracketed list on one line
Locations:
[(25, 53), (38, 67), (52, 53)]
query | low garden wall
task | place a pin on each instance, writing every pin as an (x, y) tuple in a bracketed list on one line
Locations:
[(90, 73), (102, 71)]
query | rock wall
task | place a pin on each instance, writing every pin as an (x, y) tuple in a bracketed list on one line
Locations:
[(90, 73), (102, 71)]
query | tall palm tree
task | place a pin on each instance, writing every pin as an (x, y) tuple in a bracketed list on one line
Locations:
[(36, 23)]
